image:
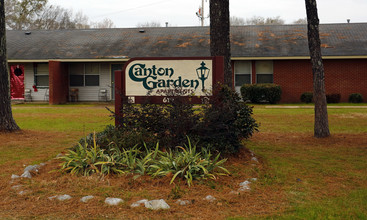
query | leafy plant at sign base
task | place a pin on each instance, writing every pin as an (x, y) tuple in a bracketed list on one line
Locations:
[(188, 164), (82, 160), (184, 162)]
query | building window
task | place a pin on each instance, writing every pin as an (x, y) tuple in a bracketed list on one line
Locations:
[(264, 71), (91, 74), (84, 74), (242, 74), (41, 75), (242, 71)]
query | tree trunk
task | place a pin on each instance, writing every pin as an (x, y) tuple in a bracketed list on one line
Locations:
[(321, 128), (7, 122), (220, 44)]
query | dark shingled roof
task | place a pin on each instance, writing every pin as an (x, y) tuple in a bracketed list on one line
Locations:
[(247, 41)]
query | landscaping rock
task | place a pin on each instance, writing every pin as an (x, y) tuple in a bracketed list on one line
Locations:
[(138, 203), (26, 174), (63, 197), (23, 192), (60, 198), (52, 197), (183, 202), (210, 198), (113, 201), (245, 183), (245, 186), (13, 176), (32, 168), (157, 204), (85, 199)]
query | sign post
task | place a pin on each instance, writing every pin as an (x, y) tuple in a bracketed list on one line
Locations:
[(193, 77)]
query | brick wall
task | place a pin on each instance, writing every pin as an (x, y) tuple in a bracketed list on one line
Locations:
[(58, 83), (341, 76), (346, 77)]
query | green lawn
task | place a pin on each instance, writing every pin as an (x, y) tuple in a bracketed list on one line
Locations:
[(59, 126), (323, 178), (320, 178), (62, 118)]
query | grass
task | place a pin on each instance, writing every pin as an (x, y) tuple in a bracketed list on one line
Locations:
[(323, 178), (350, 206), (299, 176), (302, 120), (58, 126), (311, 104), (61, 118)]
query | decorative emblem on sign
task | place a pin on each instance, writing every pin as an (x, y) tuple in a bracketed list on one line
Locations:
[(203, 73)]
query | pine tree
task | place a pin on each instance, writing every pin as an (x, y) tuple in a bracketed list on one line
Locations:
[(7, 122), (321, 128), (220, 44)]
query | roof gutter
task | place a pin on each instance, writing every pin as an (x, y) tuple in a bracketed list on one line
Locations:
[(298, 58), (68, 60), (233, 58)]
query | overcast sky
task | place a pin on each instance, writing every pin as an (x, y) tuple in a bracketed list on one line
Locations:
[(128, 13)]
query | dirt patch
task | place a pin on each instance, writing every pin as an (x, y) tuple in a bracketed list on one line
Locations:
[(260, 201)]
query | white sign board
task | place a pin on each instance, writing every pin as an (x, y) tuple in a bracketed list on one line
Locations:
[(192, 77)]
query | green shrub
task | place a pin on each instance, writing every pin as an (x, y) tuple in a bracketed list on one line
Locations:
[(258, 93), (169, 124), (114, 137), (274, 93), (307, 97), (221, 124), (355, 98), (225, 122), (333, 98)]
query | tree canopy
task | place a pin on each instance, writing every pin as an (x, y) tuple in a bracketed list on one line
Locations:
[(39, 14), (149, 24), (258, 20)]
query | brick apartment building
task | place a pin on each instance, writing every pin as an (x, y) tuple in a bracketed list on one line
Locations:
[(55, 63)]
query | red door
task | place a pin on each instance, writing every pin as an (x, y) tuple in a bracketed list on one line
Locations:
[(17, 81)]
